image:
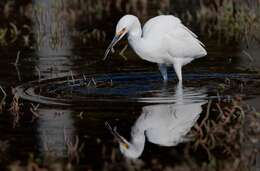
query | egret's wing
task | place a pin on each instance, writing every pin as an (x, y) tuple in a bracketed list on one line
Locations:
[(180, 43), (170, 124), (185, 117), (179, 40), (160, 24), (189, 31), (165, 24)]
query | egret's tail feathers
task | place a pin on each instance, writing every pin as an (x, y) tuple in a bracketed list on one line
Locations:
[(202, 44), (188, 30)]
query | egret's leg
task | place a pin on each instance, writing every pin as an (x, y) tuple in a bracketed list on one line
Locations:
[(163, 70), (177, 67)]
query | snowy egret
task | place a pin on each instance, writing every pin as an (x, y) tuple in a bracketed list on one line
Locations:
[(163, 124), (164, 40)]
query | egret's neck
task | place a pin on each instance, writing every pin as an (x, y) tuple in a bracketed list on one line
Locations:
[(135, 36), (135, 31), (138, 138), (136, 146), (139, 43)]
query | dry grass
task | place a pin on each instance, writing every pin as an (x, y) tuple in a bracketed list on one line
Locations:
[(227, 134), (230, 19), (15, 108)]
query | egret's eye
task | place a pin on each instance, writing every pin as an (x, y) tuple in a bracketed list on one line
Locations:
[(126, 145), (121, 31)]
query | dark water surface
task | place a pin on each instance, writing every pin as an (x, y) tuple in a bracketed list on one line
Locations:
[(78, 92)]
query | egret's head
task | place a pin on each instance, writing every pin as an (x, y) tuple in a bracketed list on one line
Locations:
[(127, 149), (122, 28)]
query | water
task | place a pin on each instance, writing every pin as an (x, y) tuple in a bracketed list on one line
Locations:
[(77, 93)]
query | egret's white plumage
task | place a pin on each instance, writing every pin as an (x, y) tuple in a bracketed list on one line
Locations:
[(163, 40), (164, 124)]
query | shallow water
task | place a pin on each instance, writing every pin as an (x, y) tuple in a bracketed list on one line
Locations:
[(78, 92)]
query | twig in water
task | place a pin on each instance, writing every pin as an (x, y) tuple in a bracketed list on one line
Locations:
[(89, 83), (81, 115), (2, 103), (33, 110), (84, 77), (92, 81), (1, 88), (221, 113), (72, 77), (207, 114), (248, 55), (18, 72), (17, 58), (121, 53), (39, 74)]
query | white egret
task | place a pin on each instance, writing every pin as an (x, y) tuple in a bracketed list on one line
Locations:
[(163, 124), (164, 40)]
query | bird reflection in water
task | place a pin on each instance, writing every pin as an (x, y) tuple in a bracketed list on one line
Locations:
[(163, 124)]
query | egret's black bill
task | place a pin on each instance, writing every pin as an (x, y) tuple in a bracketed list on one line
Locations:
[(114, 133), (110, 47)]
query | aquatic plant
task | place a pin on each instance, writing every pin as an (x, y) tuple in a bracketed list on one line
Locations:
[(212, 133), (74, 147), (72, 77), (224, 131)]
